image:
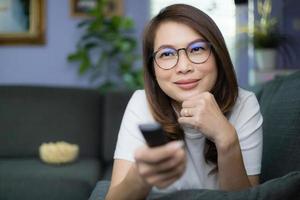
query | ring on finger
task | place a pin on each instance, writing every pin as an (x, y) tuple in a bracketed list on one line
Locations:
[(186, 112)]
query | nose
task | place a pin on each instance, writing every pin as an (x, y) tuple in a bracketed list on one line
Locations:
[(183, 64)]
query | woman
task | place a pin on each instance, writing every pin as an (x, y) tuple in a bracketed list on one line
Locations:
[(191, 90)]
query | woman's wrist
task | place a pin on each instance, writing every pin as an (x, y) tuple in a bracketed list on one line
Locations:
[(137, 183), (227, 139), (132, 187)]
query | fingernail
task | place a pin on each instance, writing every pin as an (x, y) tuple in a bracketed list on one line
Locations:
[(177, 144)]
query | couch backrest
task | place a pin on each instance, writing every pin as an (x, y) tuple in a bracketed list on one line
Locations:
[(115, 104), (30, 116), (280, 106)]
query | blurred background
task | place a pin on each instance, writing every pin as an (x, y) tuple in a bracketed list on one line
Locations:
[(44, 59)]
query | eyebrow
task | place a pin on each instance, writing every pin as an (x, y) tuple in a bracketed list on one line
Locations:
[(171, 46)]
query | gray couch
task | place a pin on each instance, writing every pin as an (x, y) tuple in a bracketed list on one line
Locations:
[(280, 178), (31, 115)]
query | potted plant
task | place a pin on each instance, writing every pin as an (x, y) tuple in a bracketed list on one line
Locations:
[(266, 37), (106, 52)]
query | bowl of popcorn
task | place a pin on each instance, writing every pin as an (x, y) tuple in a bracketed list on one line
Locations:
[(58, 152)]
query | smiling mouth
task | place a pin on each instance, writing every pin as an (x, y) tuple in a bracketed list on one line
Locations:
[(187, 84)]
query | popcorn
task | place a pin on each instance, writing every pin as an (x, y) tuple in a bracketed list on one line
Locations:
[(58, 152)]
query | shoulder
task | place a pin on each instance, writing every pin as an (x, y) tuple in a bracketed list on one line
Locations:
[(246, 105), (247, 98), (245, 95), (138, 101), (139, 96), (138, 106)]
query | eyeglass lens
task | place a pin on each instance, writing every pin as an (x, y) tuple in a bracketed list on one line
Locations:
[(197, 52)]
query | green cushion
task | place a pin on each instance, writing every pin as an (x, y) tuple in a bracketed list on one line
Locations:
[(44, 188), (30, 116), (100, 190), (286, 187), (280, 106), (32, 179)]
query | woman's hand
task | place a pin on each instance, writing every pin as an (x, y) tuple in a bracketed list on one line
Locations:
[(203, 113), (161, 166)]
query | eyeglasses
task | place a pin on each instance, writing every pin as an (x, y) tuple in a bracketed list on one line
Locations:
[(197, 52)]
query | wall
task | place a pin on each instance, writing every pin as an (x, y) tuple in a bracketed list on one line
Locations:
[(47, 64), (287, 13), (290, 26)]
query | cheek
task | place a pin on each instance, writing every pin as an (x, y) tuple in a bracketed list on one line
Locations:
[(210, 66), (162, 76), (210, 72), (164, 79), (214, 69)]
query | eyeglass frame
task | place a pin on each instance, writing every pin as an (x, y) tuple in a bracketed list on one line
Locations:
[(153, 56)]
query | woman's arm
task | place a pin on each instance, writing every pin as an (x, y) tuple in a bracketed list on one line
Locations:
[(203, 113), (159, 166), (125, 174), (232, 173)]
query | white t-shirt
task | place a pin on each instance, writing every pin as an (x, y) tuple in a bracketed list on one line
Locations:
[(245, 117)]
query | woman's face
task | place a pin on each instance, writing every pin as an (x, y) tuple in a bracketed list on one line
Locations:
[(186, 78)]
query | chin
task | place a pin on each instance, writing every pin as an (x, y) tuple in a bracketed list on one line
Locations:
[(185, 95)]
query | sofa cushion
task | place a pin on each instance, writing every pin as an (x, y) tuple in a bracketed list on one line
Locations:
[(32, 179), (280, 106), (286, 187), (30, 116), (100, 190)]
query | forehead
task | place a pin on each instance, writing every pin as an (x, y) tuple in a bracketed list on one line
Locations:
[(174, 34)]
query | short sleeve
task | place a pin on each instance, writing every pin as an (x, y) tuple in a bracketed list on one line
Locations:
[(129, 137), (248, 120)]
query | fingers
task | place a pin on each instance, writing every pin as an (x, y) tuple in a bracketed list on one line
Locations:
[(187, 112), (195, 108), (164, 167), (157, 154), (166, 183), (191, 107), (161, 166), (199, 99), (176, 160), (186, 121), (165, 179)]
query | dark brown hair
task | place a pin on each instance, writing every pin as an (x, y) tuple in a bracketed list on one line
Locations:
[(225, 89)]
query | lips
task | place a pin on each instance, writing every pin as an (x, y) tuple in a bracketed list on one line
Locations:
[(187, 84)]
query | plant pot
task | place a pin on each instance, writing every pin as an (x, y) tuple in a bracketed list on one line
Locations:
[(266, 59)]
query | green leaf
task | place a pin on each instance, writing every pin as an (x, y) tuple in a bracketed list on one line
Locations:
[(109, 40), (90, 45), (85, 37), (85, 61), (84, 23), (84, 66), (116, 22), (127, 23), (95, 26), (74, 57)]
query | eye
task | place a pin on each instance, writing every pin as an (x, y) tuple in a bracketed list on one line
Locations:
[(166, 53), (198, 47)]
